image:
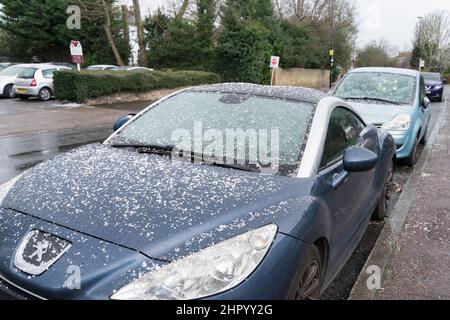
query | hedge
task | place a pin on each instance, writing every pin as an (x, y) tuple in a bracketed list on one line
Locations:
[(80, 86)]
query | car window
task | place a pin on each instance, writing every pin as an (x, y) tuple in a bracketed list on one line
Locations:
[(286, 123), (27, 73), (48, 73), (344, 130)]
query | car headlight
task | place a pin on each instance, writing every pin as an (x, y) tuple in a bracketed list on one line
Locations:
[(7, 186), (401, 122), (437, 88), (208, 272)]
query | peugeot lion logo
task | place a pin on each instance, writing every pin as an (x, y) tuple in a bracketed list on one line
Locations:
[(39, 251)]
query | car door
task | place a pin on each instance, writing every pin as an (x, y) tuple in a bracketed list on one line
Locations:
[(48, 77), (424, 114), (347, 194)]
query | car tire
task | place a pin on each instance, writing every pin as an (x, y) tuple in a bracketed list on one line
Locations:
[(45, 94), (384, 201), (308, 281), (411, 160), (22, 97), (9, 92)]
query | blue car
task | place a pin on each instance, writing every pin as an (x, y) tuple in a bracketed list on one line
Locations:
[(434, 86), (393, 100), (164, 209)]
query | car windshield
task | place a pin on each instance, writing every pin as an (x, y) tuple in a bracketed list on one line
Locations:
[(11, 71), (388, 87), (27, 73), (432, 76), (253, 131)]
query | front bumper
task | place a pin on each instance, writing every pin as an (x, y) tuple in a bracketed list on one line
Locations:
[(435, 94), (26, 91), (403, 144), (106, 268)]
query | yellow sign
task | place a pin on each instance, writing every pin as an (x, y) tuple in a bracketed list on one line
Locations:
[(331, 52)]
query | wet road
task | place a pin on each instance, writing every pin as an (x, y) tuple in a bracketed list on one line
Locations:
[(21, 152), (18, 153)]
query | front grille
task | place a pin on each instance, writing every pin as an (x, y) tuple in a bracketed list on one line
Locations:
[(9, 292)]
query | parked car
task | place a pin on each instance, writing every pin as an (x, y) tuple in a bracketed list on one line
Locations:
[(434, 85), (101, 67), (133, 69), (64, 64), (7, 77), (392, 99), (144, 224), (5, 65), (36, 80)]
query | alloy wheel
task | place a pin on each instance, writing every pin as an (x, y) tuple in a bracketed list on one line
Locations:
[(309, 285)]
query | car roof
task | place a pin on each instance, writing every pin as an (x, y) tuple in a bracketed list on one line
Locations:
[(280, 92), (39, 65), (406, 72)]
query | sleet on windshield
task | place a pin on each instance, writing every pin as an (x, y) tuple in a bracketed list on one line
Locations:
[(237, 128), (385, 86)]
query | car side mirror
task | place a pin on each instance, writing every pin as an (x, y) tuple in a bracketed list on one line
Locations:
[(122, 121), (358, 159), (426, 102)]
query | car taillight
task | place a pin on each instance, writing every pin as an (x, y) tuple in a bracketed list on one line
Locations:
[(33, 83)]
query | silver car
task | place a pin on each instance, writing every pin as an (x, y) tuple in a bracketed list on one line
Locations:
[(7, 77), (36, 80)]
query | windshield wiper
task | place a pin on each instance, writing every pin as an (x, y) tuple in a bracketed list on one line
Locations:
[(147, 148), (240, 167), (374, 99)]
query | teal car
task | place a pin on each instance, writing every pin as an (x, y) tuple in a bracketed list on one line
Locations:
[(391, 99)]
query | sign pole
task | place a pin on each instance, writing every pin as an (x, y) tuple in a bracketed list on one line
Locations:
[(78, 67)]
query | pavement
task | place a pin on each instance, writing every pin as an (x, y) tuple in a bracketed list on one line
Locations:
[(412, 253)]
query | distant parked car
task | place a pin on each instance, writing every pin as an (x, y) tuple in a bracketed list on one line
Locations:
[(36, 80), (133, 69), (63, 64), (7, 77), (434, 85), (392, 99), (5, 65), (101, 67)]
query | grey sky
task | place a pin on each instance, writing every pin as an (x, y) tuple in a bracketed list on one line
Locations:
[(392, 20)]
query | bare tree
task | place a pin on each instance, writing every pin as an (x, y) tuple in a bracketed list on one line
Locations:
[(432, 36), (140, 33), (93, 10)]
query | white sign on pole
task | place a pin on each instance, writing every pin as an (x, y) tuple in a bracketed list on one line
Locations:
[(422, 63), (76, 51), (274, 62)]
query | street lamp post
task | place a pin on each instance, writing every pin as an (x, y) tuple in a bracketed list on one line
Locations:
[(332, 44), (420, 43)]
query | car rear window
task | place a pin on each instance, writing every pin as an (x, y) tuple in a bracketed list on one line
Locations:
[(27, 73)]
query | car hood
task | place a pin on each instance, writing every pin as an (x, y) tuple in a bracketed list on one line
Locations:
[(374, 113), (149, 203), (433, 83)]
